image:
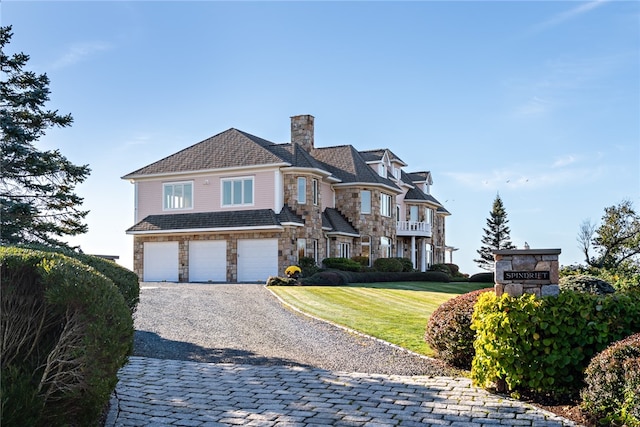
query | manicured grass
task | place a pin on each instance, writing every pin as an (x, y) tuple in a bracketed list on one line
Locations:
[(394, 312)]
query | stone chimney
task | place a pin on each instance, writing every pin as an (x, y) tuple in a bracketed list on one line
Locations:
[(302, 131)]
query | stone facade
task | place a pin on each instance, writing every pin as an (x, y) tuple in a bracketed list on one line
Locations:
[(520, 271)]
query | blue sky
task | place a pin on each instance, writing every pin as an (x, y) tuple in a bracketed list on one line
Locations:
[(537, 101)]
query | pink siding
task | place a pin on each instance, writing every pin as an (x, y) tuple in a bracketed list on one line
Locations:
[(206, 193), (327, 196)]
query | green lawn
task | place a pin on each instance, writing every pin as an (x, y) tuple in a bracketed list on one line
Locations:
[(394, 312)]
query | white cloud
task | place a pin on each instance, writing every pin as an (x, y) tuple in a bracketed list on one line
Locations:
[(569, 14), (564, 161), (78, 52)]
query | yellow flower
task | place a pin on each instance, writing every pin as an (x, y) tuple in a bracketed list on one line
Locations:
[(292, 269)]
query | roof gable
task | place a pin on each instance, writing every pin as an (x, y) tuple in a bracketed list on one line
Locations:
[(231, 148)]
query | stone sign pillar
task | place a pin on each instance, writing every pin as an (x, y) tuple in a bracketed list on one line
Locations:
[(521, 271)]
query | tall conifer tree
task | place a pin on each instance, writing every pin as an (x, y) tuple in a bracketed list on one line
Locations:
[(37, 198), (496, 235)]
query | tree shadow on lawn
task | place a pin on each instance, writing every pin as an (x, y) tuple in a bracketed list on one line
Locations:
[(150, 344)]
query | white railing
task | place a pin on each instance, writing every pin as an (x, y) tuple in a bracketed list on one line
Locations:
[(413, 228)]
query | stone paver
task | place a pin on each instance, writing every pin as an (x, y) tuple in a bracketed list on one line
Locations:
[(167, 392)]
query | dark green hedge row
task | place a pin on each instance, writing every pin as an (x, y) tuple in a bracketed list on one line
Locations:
[(337, 277), (67, 329), (545, 344)]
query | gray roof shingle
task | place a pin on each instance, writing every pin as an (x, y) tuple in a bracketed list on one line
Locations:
[(227, 149), (332, 219), (207, 220)]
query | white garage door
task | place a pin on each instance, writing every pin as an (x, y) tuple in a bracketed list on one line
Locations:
[(257, 259), (160, 261), (208, 261)]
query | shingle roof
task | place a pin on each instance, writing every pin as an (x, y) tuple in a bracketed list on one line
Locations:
[(348, 165), (333, 219), (287, 215), (207, 220), (377, 154), (227, 149)]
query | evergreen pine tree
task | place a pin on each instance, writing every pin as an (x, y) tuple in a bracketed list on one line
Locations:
[(37, 198), (496, 235)]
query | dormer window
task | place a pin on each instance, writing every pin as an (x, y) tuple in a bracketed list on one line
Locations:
[(383, 170)]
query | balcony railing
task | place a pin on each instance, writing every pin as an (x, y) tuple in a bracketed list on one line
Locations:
[(413, 228)]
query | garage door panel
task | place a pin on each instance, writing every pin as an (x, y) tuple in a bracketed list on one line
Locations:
[(160, 262), (257, 259), (208, 261)]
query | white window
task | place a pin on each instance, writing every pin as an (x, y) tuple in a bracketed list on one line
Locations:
[(314, 191), (385, 247), (302, 248), (315, 250), (385, 204), (177, 195), (429, 219), (382, 170), (237, 191), (413, 214), (345, 250), (302, 190), (365, 201), (429, 254)]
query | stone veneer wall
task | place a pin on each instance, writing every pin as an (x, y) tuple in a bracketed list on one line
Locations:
[(310, 213), (374, 224), (531, 261)]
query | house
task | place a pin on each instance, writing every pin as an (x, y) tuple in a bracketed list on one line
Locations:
[(239, 208)]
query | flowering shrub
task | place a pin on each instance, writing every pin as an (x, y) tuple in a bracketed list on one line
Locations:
[(293, 271)]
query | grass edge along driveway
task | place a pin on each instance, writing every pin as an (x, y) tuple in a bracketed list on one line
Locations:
[(396, 312)]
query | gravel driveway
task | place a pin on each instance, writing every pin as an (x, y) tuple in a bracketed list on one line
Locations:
[(246, 324)]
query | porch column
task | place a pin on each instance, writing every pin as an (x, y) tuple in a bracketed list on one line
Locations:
[(423, 256), (413, 251)]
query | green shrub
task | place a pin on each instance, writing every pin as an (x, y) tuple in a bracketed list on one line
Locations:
[(330, 278), (449, 332), (612, 392), (584, 283), (482, 278), (66, 331), (387, 265), (407, 265), (344, 264), (125, 280), (453, 268), (443, 268), (544, 344), (397, 276), (362, 260)]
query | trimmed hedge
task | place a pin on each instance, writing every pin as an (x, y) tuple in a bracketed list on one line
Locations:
[(344, 264), (125, 280), (387, 265), (344, 277), (585, 283), (66, 331), (482, 278), (449, 332), (612, 392), (544, 344)]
